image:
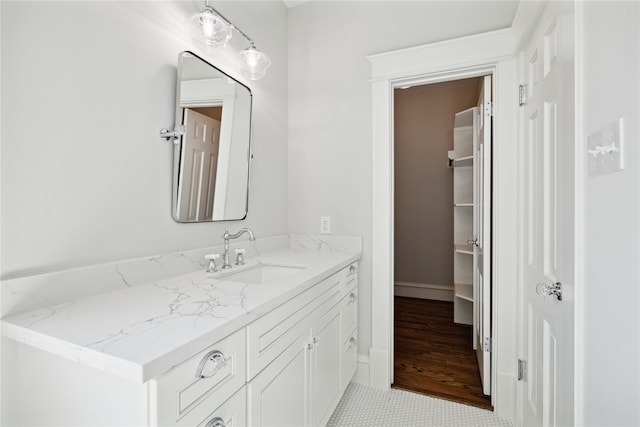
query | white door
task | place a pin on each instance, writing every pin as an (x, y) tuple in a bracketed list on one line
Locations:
[(547, 234), (198, 164), (482, 238)]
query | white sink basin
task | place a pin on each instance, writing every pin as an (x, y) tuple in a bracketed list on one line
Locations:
[(264, 273)]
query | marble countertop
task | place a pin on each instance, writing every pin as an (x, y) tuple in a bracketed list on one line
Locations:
[(139, 332)]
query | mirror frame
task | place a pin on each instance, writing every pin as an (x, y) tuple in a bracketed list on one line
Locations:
[(177, 152)]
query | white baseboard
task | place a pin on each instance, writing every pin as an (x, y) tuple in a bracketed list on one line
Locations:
[(362, 371), (423, 291)]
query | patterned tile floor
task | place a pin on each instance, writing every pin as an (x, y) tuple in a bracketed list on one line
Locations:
[(363, 406)]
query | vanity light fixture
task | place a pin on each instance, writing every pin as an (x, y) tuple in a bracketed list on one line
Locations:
[(214, 30), (210, 27), (254, 62)]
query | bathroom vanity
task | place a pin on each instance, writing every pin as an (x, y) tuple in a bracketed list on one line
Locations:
[(271, 342)]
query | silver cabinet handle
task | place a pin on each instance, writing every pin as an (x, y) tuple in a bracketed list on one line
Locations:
[(313, 343), (352, 269), (352, 342), (472, 242), (546, 290), (352, 298), (210, 364), (216, 422)]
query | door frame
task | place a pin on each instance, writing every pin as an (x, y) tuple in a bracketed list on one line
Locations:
[(489, 53)]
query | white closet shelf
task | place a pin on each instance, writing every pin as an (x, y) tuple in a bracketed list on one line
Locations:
[(463, 291), (463, 249), (461, 161)]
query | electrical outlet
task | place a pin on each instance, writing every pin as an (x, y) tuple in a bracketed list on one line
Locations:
[(325, 224)]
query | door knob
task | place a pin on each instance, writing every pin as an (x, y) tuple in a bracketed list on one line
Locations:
[(216, 422), (545, 290)]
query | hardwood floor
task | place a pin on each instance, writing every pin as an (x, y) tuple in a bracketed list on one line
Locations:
[(433, 355)]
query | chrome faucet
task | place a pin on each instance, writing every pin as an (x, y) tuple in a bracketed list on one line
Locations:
[(226, 236)]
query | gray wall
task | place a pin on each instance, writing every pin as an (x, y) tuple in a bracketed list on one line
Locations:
[(330, 105), (423, 133), (610, 322), (86, 87)]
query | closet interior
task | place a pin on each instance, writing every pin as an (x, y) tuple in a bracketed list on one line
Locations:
[(442, 137)]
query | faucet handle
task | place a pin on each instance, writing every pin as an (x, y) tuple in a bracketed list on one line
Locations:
[(240, 256), (212, 267)]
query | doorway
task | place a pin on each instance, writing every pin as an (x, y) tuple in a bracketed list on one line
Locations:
[(442, 186), (483, 54)]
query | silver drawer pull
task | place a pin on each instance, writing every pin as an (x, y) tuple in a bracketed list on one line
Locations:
[(352, 269), (216, 422), (211, 364), (352, 342), (352, 298)]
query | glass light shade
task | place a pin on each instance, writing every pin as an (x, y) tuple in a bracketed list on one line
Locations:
[(209, 28), (254, 63)]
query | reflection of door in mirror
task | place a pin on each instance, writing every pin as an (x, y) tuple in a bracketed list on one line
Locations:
[(199, 163), (211, 162)]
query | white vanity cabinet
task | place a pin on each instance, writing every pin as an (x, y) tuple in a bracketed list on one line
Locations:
[(302, 385), (288, 367)]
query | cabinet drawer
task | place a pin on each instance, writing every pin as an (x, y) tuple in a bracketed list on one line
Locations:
[(233, 412), (350, 277), (349, 312), (349, 358), (270, 335), (210, 376)]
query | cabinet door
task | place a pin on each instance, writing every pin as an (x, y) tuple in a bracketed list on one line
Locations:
[(325, 366), (278, 396)]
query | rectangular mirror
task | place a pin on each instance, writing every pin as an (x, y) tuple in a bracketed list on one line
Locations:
[(212, 158)]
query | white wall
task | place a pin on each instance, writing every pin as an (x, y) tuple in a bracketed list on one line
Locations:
[(611, 321), (330, 105), (85, 178), (86, 87)]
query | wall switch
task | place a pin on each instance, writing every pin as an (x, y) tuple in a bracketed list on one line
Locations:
[(325, 224), (605, 148)]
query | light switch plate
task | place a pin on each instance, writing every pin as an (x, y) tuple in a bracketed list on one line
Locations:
[(606, 149), (325, 224)]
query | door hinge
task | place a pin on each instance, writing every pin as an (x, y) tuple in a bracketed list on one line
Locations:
[(487, 344), (522, 95), (522, 369), (488, 109)]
